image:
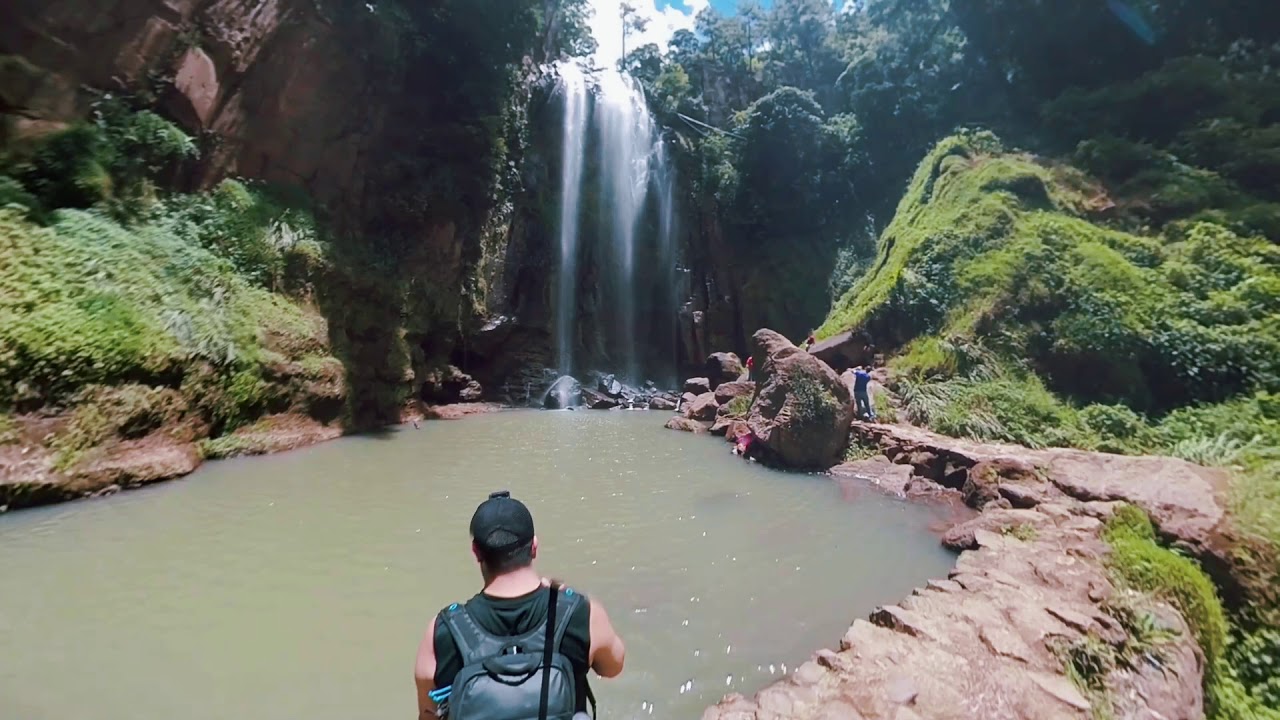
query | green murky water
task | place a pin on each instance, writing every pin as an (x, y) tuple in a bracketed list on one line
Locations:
[(298, 585)]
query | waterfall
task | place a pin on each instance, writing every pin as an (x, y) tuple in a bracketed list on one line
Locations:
[(609, 109), (628, 142), (573, 86), (667, 257)]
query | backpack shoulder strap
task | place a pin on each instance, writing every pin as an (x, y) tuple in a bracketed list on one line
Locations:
[(467, 635), (564, 613)]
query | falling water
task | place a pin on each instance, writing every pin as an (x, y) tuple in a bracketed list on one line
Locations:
[(628, 142), (667, 256), (631, 160), (573, 85)]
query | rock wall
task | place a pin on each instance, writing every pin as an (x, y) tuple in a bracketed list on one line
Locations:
[(273, 86)]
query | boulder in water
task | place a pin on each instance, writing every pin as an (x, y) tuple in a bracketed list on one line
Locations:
[(704, 407), (687, 425), (598, 400), (697, 386), (723, 367), (802, 411), (565, 392), (659, 402)]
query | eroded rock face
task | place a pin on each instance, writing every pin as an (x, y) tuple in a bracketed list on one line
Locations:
[(273, 80), (449, 385), (723, 367), (802, 410)]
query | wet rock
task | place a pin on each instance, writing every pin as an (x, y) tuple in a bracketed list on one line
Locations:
[(802, 411), (890, 477), (598, 400), (687, 425), (723, 367), (697, 386), (661, 402), (565, 392), (610, 386), (703, 407), (726, 392), (442, 386)]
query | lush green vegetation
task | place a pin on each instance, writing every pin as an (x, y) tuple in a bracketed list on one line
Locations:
[(137, 310), (1139, 562)]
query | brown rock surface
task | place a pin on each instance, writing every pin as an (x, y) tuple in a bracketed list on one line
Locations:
[(730, 390), (687, 425), (795, 433), (981, 645), (1030, 581), (723, 367), (697, 386), (703, 408)]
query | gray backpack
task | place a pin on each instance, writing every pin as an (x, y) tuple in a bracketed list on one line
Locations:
[(521, 677)]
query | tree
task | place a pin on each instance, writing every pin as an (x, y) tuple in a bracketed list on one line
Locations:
[(631, 21)]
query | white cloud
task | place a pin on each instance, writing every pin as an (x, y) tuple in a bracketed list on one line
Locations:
[(606, 26)]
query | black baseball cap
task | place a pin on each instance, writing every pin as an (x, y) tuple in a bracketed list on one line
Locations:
[(501, 523)]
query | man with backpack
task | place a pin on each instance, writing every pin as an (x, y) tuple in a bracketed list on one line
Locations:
[(519, 649)]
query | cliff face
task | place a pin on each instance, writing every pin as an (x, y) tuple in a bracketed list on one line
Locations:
[(272, 85)]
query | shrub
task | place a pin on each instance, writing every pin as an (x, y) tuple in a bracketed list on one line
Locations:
[(1118, 428), (1138, 561), (737, 407), (811, 403)]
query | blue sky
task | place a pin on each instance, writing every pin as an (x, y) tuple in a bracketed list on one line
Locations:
[(665, 17), (724, 6)]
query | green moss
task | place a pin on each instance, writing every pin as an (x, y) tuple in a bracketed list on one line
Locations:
[(737, 407), (1138, 561), (812, 404), (9, 431)]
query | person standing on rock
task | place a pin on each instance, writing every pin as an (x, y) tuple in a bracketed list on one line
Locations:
[(862, 394), (522, 646)]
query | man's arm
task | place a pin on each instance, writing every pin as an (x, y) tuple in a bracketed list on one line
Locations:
[(607, 651), (424, 673)]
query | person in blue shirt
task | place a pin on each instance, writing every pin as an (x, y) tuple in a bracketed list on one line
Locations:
[(861, 395)]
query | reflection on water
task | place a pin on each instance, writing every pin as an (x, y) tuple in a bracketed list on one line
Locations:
[(298, 585)]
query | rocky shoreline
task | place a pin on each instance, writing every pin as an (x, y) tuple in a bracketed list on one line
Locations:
[(1030, 583), (1031, 599), (30, 474)]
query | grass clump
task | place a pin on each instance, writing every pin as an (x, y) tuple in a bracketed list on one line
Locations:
[(737, 407), (812, 404), (1138, 561)]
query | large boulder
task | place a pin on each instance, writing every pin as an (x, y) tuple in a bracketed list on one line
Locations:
[(610, 386), (598, 400), (661, 402), (723, 367), (565, 392), (703, 408), (802, 411), (726, 392), (697, 386)]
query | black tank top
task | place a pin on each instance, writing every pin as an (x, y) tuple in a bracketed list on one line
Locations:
[(516, 616)]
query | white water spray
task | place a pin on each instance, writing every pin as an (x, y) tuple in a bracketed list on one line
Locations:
[(573, 87), (628, 142)]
